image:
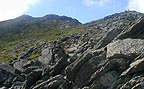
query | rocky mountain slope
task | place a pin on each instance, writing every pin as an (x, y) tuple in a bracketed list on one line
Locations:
[(105, 54), (19, 34), (25, 25)]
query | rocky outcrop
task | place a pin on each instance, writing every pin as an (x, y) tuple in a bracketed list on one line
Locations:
[(7, 74), (19, 64), (135, 67), (89, 62), (52, 62), (134, 83), (136, 31), (107, 54), (52, 83), (127, 48), (32, 78), (105, 81)]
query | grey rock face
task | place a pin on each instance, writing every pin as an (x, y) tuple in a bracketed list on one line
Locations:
[(59, 66), (17, 85), (133, 83), (105, 30), (46, 56), (105, 81), (107, 54), (125, 48), (52, 83), (6, 75), (117, 65), (85, 65), (32, 78), (136, 31), (135, 67), (139, 86), (52, 54), (19, 64)]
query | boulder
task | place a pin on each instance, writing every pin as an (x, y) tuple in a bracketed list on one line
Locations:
[(6, 75), (105, 81), (18, 64), (139, 86), (133, 83), (87, 69), (135, 67), (87, 63), (66, 85), (52, 83), (52, 54), (109, 37), (30, 69), (127, 48), (59, 66), (46, 57), (17, 85), (117, 65), (32, 78), (27, 64), (73, 68), (24, 64)]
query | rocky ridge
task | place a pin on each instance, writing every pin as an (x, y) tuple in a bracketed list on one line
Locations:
[(107, 54)]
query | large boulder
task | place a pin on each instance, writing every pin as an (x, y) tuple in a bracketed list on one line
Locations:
[(47, 56), (55, 57), (86, 64), (127, 48), (18, 64), (31, 63), (135, 67), (52, 54), (117, 65), (6, 75), (105, 81), (59, 66), (23, 64), (32, 78)]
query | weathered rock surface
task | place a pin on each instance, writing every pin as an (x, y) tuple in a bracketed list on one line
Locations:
[(89, 62), (7, 74), (106, 54), (105, 81), (18, 64), (52, 83), (135, 32), (32, 78), (133, 83), (135, 67), (127, 48)]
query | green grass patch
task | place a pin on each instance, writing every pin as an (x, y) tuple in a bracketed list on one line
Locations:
[(46, 36)]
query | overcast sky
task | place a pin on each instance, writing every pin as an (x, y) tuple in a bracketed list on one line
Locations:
[(83, 10)]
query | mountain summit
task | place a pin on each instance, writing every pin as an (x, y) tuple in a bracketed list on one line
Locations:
[(26, 25)]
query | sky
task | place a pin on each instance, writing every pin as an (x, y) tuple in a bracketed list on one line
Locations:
[(83, 10)]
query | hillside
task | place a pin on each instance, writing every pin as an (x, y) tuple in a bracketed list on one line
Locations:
[(103, 54), (19, 34), (26, 25)]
